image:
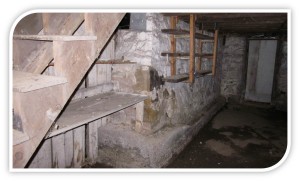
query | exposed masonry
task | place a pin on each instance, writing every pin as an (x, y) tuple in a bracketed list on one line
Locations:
[(173, 113), (233, 64)]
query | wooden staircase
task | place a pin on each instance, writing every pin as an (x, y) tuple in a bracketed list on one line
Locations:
[(38, 99)]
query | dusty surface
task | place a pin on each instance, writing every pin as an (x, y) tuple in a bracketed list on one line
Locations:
[(238, 137)]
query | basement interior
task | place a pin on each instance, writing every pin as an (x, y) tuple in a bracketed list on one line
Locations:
[(149, 90)]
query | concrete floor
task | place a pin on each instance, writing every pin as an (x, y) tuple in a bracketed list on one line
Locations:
[(239, 136)]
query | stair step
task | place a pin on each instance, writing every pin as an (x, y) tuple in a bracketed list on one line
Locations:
[(19, 137), (54, 37), (25, 82)]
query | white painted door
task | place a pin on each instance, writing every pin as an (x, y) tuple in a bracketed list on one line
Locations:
[(260, 72)]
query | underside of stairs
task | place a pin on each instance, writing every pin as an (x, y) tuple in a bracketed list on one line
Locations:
[(70, 41)]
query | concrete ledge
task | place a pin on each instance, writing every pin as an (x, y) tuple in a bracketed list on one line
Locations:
[(121, 147)]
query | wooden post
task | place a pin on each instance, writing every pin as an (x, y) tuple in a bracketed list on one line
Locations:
[(192, 49), (173, 46), (215, 52)]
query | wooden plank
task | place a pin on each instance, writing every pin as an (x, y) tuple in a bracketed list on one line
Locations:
[(92, 77), (25, 82), (61, 23), (183, 54), (54, 24), (79, 146), (27, 52), (44, 155), (43, 158), (215, 52), (36, 110), (192, 49), (108, 72), (176, 78), (203, 72), (92, 91), (69, 150), (173, 46), (92, 141), (53, 37), (174, 31), (30, 24), (101, 74), (19, 137), (84, 111), (72, 60), (58, 151), (102, 25)]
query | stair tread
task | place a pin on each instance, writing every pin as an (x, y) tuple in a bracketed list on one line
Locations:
[(54, 37), (25, 82), (19, 137), (92, 108)]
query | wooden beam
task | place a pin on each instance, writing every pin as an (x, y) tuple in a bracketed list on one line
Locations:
[(215, 52), (53, 37), (173, 45), (192, 49), (183, 54), (102, 25), (30, 24), (176, 78), (185, 34)]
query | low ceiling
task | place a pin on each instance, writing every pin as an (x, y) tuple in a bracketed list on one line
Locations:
[(238, 22)]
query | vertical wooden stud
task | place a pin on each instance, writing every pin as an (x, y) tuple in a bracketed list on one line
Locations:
[(79, 146), (43, 158), (92, 141), (58, 151), (192, 49), (102, 73), (173, 46), (69, 150), (215, 51)]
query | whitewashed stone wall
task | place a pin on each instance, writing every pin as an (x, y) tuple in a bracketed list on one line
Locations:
[(171, 103), (233, 66)]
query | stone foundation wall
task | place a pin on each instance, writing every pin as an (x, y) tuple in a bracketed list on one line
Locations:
[(169, 103), (233, 79)]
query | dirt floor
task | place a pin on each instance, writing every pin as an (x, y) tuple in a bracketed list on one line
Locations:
[(239, 136)]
